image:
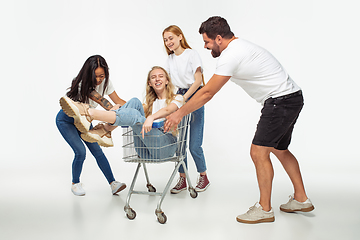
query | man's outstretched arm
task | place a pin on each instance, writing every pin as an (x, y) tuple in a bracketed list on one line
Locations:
[(204, 95)]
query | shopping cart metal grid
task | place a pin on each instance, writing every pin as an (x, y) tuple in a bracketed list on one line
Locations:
[(154, 152)]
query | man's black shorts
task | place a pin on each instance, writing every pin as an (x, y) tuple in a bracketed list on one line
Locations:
[(277, 120)]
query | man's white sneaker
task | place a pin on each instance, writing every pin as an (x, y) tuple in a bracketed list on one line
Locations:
[(77, 189), (295, 206), (256, 214), (117, 187)]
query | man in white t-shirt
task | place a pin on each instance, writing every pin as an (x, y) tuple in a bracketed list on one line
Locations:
[(264, 79)]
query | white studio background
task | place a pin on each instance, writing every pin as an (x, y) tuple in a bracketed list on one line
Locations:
[(44, 44)]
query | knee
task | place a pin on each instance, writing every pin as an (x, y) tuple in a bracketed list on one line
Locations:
[(80, 156), (279, 153), (259, 153), (254, 155), (282, 154), (135, 100)]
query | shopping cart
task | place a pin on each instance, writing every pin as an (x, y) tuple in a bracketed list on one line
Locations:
[(136, 152)]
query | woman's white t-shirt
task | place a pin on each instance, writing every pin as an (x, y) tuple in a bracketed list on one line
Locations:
[(183, 67), (160, 103)]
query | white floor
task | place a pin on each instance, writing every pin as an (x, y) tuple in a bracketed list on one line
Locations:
[(34, 208)]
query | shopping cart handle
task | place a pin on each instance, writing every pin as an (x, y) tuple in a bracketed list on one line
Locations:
[(154, 125)]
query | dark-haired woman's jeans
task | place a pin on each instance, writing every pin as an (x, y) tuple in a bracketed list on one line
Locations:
[(66, 126)]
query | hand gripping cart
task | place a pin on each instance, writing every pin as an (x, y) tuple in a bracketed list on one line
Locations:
[(132, 152)]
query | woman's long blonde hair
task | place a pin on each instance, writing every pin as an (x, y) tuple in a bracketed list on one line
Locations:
[(183, 43), (177, 31), (151, 94)]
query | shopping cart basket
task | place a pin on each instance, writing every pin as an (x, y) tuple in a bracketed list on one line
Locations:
[(154, 152)]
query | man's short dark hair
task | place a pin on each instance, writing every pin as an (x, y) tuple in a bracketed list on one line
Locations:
[(216, 26)]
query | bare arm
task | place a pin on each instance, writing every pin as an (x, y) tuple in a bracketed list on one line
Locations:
[(116, 99), (147, 126), (204, 95), (95, 96), (195, 85)]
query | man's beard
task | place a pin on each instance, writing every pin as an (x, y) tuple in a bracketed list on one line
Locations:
[(215, 52)]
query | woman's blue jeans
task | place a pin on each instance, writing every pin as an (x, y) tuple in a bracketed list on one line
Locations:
[(196, 137), (156, 144), (66, 126)]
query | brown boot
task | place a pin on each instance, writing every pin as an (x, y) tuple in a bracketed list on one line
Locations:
[(78, 111), (100, 135)]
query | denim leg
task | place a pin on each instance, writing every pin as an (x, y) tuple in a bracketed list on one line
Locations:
[(71, 135), (155, 145), (130, 113), (161, 146), (196, 140), (101, 160)]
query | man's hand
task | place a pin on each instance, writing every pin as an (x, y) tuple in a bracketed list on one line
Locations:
[(172, 121)]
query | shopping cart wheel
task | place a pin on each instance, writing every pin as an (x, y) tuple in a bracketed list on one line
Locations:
[(151, 188), (131, 214), (161, 218), (193, 193)]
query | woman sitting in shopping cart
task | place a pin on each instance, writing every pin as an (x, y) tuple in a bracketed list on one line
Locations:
[(160, 101)]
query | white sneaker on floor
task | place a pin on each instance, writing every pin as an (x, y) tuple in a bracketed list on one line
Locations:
[(77, 189), (256, 214), (295, 206), (117, 187)]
